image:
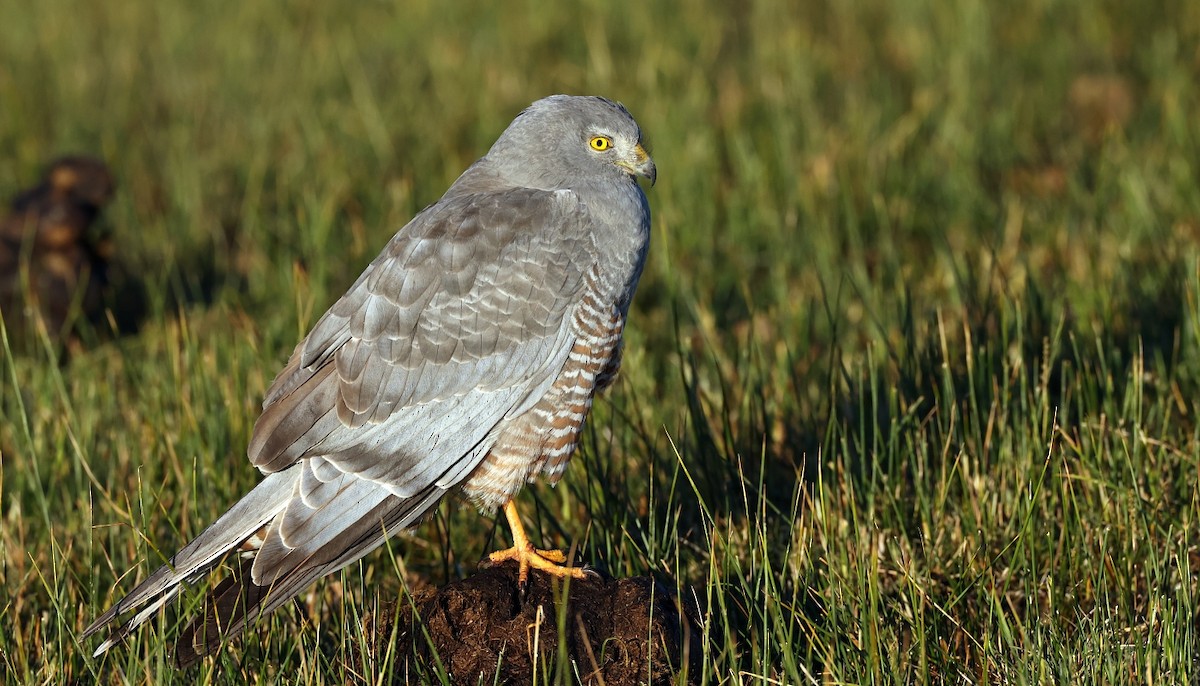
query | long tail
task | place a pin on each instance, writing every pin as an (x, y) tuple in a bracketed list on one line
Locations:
[(273, 572), (242, 598), (241, 521)]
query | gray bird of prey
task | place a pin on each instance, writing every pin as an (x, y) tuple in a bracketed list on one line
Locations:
[(465, 356)]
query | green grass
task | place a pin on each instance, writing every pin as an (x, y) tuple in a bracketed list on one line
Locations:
[(911, 382)]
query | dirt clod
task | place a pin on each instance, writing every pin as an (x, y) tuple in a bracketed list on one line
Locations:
[(617, 631)]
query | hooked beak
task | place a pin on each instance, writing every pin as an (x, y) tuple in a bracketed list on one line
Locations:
[(641, 165)]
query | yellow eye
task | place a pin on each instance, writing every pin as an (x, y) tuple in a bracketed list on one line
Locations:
[(600, 143)]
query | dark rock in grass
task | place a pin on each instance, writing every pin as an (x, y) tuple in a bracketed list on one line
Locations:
[(617, 631), (50, 263), (56, 269)]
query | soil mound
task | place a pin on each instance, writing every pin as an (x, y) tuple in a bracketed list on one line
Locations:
[(616, 631)]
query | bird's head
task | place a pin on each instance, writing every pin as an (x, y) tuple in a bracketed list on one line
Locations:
[(563, 138)]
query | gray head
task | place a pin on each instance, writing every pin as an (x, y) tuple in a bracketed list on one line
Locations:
[(559, 140)]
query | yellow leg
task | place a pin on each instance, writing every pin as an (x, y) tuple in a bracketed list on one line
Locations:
[(527, 556)]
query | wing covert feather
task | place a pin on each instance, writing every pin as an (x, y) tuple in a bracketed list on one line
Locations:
[(464, 315)]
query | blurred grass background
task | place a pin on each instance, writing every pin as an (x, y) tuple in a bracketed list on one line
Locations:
[(911, 381)]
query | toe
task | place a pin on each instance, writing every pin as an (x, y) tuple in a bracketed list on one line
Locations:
[(552, 555)]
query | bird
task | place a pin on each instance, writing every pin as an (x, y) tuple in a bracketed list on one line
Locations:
[(50, 263), (464, 359)]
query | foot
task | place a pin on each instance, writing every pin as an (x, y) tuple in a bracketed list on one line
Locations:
[(527, 556)]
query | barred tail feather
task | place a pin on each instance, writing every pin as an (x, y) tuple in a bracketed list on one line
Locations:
[(237, 600), (239, 523)]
